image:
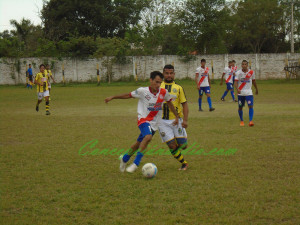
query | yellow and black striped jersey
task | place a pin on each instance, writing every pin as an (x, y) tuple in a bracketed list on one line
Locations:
[(42, 77), (177, 90)]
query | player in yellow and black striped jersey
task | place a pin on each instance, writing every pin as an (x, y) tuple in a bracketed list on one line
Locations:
[(41, 80), (174, 136)]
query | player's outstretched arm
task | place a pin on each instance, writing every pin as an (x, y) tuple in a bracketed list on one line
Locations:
[(255, 85), (53, 79), (171, 106), (122, 96)]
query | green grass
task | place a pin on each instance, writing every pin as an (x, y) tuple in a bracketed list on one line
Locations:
[(45, 181)]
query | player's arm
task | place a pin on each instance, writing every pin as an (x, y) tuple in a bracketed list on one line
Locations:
[(255, 85), (52, 79), (196, 80), (236, 87), (122, 96), (171, 106), (222, 78), (185, 111), (36, 81)]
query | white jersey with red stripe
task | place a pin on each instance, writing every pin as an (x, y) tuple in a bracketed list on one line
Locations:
[(149, 107), (234, 69), (228, 71), (240, 76), (203, 76)]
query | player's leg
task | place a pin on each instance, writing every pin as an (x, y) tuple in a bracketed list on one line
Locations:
[(46, 95), (207, 92), (241, 102), (225, 93), (230, 88), (200, 99), (40, 98), (181, 141), (249, 100), (146, 136), (126, 157)]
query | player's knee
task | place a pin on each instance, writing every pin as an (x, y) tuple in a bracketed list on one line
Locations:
[(172, 145), (148, 138)]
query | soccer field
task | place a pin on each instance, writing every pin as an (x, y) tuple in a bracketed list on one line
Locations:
[(45, 179)]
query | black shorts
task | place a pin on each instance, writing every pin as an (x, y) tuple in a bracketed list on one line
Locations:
[(30, 77)]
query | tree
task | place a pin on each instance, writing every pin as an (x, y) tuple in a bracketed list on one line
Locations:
[(203, 24), (259, 26), (74, 18)]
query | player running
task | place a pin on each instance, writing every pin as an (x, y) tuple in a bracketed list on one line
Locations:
[(149, 113), (228, 72), (203, 84), (174, 136), (41, 80), (243, 84)]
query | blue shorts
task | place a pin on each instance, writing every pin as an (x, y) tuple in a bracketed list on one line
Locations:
[(204, 89), (242, 99), (145, 129), (229, 86)]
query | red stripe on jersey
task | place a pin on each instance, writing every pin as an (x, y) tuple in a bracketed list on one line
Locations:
[(202, 78), (249, 74), (152, 114), (229, 78)]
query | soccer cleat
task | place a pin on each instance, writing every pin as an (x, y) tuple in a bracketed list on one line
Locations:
[(122, 165), (184, 166), (251, 124), (222, 99), (200, 110), (37, 108), (47, 113), (211, 109), (242, 123), (131, 168)]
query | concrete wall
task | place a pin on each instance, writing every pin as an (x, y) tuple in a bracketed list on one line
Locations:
[(266, 66)]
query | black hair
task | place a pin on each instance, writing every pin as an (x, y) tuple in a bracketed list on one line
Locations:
[(169, 66), (156, 73), (230, 62), (245, 61), (42, 65), (203, 60), (233, 61), (29, 64)]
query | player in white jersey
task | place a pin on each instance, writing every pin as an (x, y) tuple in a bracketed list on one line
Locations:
[(228, 73), (203, 84), (149, 113), (243, 84)]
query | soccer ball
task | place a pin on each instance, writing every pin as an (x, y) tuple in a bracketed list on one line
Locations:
[(149, 170)]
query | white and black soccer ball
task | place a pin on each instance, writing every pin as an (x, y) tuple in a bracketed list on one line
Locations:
[(149, 170)]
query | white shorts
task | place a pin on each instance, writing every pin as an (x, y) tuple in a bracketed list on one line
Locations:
[(169, 132), (49, 85), (41, 95)]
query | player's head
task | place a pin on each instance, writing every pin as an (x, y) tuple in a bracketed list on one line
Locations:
[(230, 63), (47, 66), (156, 79), (169, 73), (245, 64), (203, 62), (29, 65), (42, 68), (233, 62)]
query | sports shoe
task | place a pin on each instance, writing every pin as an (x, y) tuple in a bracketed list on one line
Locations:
[(131, 168), (222, 99), (251, 124), (211, 109), (242, 123), (37, 108), (184, 166), (201, 110), (47, 113), (122, 165)]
